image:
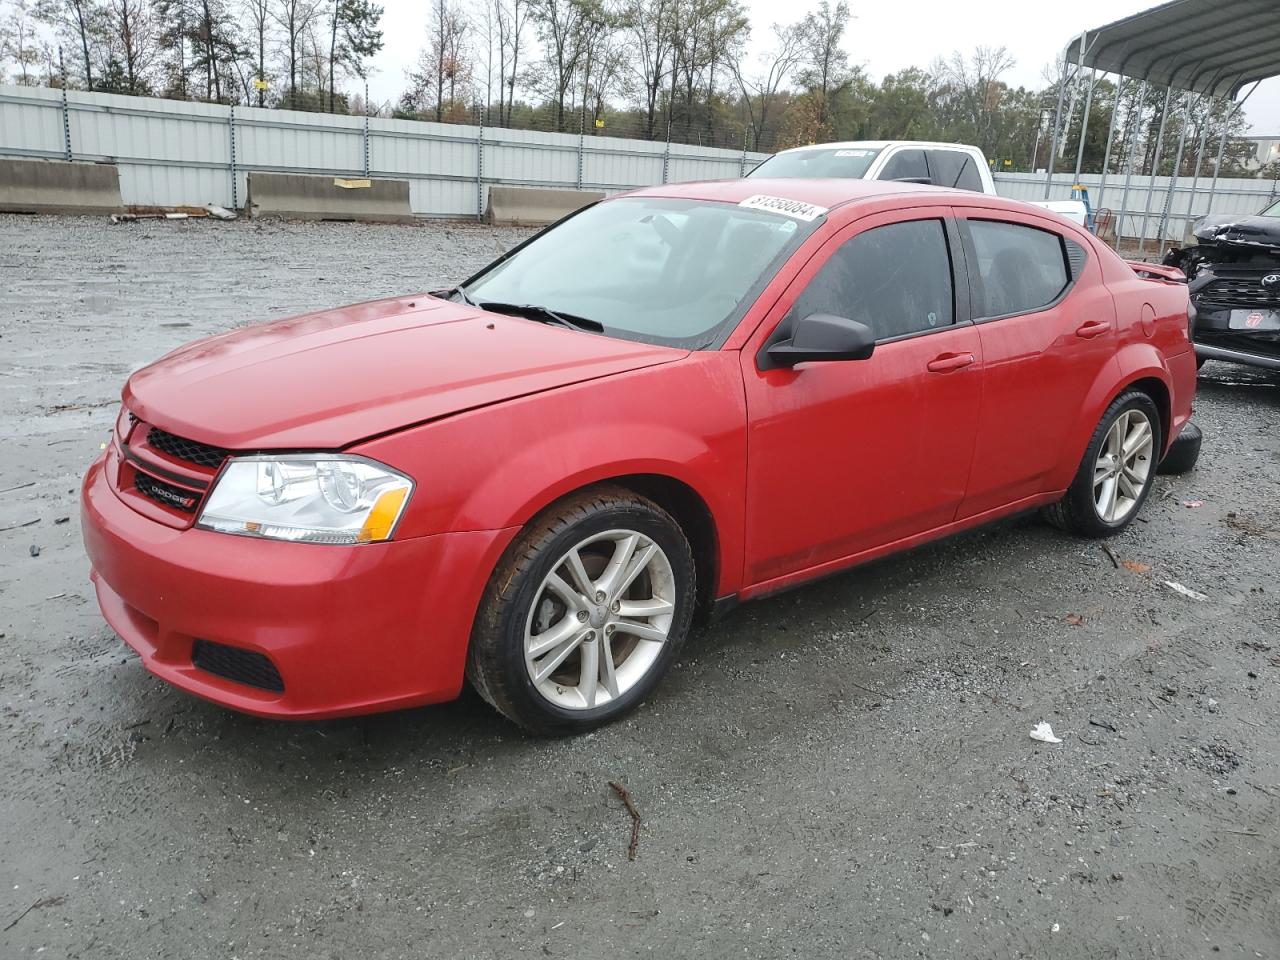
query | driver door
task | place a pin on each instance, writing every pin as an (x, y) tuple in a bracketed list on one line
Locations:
[(845, 457)]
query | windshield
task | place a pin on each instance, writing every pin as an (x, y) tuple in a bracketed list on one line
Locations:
[(675, 272), (1271, 211), (841, 162)]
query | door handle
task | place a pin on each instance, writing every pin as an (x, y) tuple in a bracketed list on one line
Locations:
[(1094, 328), (949, 361)]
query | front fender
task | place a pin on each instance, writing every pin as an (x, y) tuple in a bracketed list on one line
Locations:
[(496, 467)]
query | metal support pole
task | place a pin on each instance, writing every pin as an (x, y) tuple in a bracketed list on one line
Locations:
[(1111, 131), (1084, 123), (231, 131), (1222, 145), (1195, 174), (1133, 149), (480, 170), (666, 155), (66, 110), (1155, 169), (1057, 119), (1173, 179), (742, 167), (366, 128), (582, 135)]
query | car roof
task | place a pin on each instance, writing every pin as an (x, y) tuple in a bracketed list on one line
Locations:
[(832, 193), (824, 192), (880, 145)]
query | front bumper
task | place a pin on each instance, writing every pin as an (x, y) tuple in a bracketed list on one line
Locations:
[(349, 629), (1216, 339)]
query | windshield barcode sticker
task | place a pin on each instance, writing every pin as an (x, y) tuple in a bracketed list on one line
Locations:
[(853, 153), (788, 208)]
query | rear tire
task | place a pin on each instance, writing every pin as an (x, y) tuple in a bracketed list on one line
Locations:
[(1117, 472), (584, 613)]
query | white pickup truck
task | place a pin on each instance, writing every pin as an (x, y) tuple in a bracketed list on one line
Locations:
[(915, 161)]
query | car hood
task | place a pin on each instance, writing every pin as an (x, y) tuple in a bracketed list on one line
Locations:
[(327, 380), (1248, 231)]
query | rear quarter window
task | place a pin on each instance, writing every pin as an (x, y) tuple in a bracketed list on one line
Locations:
[(905, 164), (1020, 269), (954, 168)]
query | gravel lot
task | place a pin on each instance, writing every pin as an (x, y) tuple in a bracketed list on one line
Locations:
[(843, 771)]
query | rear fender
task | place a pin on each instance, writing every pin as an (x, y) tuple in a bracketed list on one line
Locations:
[(1134, 362)]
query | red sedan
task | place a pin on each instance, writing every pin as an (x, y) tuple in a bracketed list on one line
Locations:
[(672, 401)]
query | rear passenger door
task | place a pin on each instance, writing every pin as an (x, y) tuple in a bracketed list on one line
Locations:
[(1047, 333)]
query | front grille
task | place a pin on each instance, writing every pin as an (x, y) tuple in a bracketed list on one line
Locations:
[(166, 494), (180, 448), (1240, 292), (242, 666)]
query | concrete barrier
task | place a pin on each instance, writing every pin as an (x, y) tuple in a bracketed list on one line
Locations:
[(295, 196), (527, 206), (56, 186)]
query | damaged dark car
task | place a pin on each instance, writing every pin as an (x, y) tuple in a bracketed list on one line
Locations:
[(1233, 272)]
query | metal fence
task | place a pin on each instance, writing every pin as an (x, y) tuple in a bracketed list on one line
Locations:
[(1138, 211), (174, 153)]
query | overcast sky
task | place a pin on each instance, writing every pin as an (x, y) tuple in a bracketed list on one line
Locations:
[(883, 37)]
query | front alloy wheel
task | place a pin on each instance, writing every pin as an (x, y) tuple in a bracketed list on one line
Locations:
[(600, 619), (584, 613)]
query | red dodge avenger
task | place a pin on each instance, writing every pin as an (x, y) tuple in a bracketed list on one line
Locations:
[(668, 402)]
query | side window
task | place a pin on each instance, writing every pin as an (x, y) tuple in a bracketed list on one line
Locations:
[(896, 279), (1021, 269), (904, 164), (952, 168), (970, 179)]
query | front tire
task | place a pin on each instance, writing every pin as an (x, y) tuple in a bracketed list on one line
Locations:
[(1117, 471), (584, 613)]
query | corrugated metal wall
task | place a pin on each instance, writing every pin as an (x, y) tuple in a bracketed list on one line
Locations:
[(172, 153), (1232, 197)]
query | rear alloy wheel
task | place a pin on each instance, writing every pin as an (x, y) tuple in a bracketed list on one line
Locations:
[(1117, 471), (584, 614), (1122, 469)]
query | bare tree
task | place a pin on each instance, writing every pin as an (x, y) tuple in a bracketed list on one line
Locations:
[(133, 43), (511, 18), (80, 23), (444, 64), (19, 42), (295, 18), (258, 13), (648, 26), (760, 90), (825, 65), (560, 25), (971, 90)]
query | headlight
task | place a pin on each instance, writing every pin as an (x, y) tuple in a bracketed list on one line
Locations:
[(312, 497)]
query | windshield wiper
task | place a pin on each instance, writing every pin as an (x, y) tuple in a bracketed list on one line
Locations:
[(533, 311), (452, 292)]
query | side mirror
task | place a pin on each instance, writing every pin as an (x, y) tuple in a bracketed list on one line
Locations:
[(819, 336)]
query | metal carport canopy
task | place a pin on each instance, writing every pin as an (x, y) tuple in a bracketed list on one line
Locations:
[(1213, 47)]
